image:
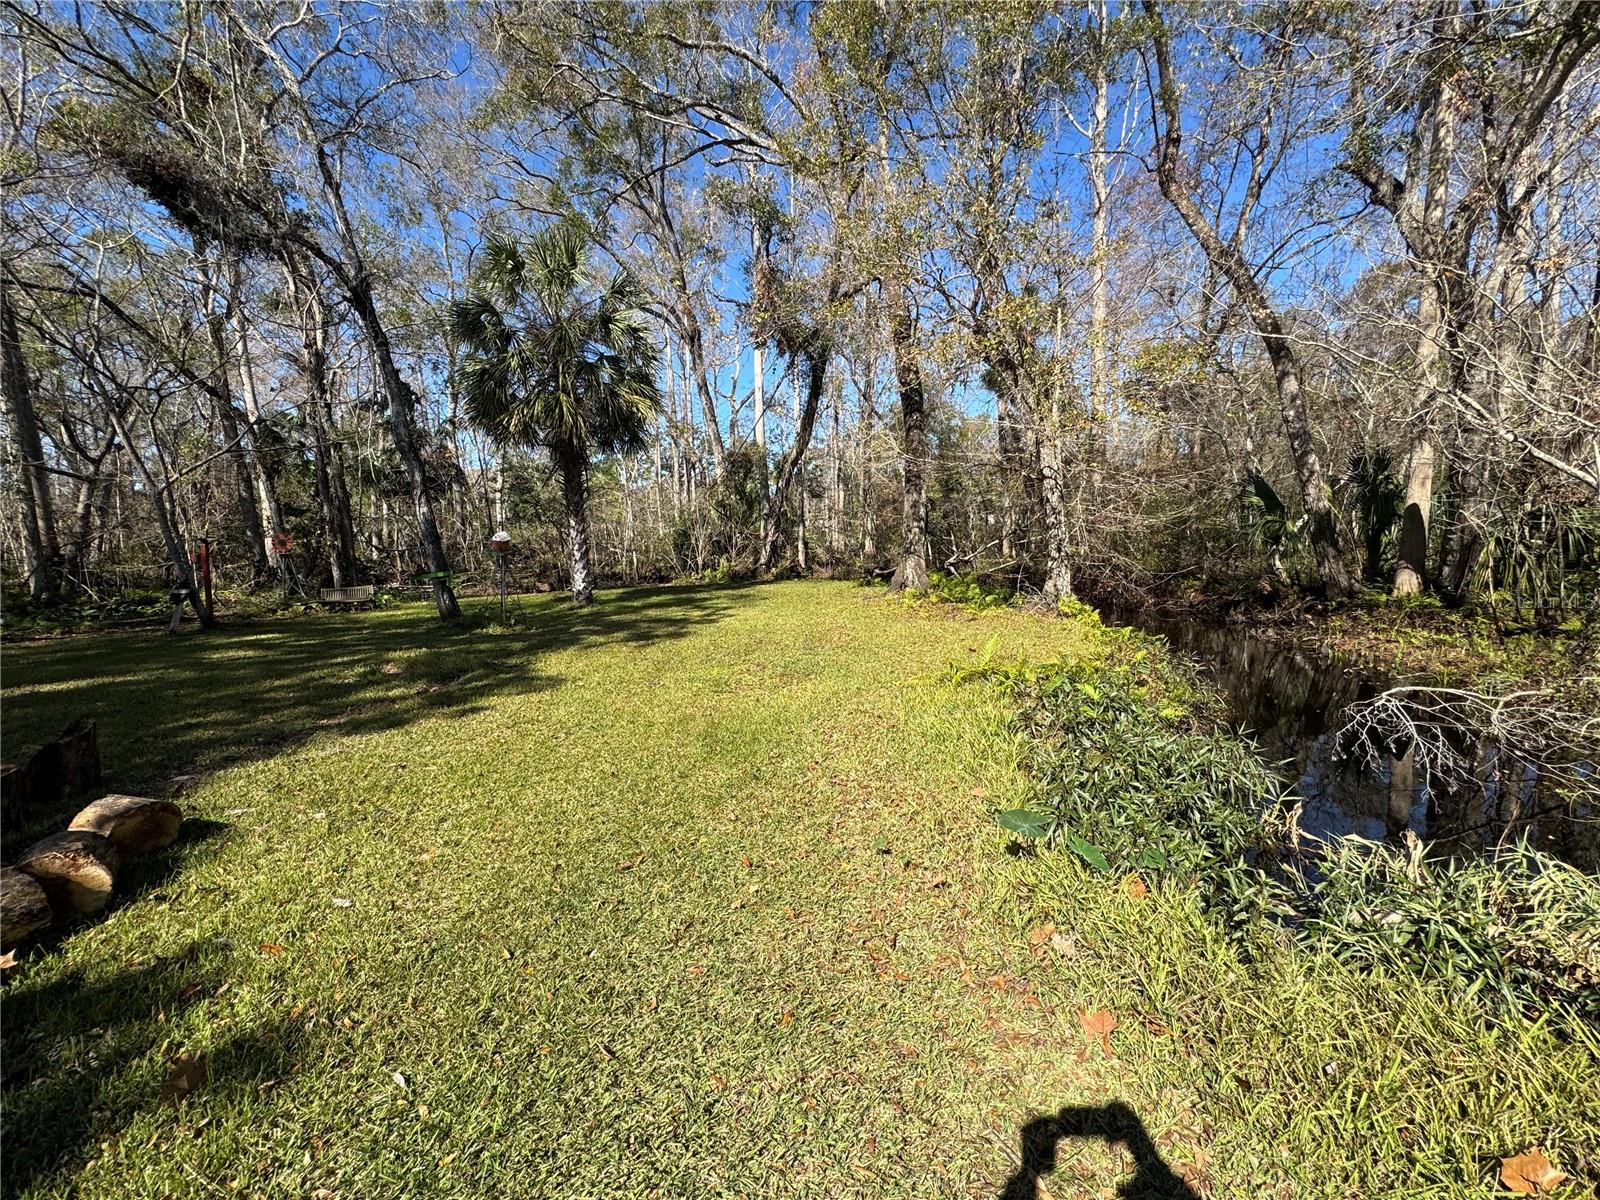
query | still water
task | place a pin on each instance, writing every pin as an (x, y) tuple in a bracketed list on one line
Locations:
[(1292, 702)]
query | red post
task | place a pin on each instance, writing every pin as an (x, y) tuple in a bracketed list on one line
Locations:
[(203, 561)]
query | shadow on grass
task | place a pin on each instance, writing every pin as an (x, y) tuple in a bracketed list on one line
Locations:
[(189, 705), (84, 1058), (1114, 1123)]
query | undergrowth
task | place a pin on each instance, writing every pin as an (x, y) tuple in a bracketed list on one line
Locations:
[(1133, 769), (1515, 930)]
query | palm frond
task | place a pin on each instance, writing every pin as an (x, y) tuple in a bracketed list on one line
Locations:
[(551, 358)]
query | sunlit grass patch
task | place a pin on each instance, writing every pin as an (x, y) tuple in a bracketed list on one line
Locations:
[(694, 893)]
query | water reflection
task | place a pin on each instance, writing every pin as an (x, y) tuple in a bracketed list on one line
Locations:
[(1291, 701)]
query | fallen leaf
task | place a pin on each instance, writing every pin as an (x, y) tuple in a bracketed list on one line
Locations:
[(744, 861), (1098, 1024), (1043, 934), (1530, 1173), (1193, 1172), (1064, 945), (271, 948), (187, 1073), (401, 1080), (341, 902), (8, 960), (1137, 888)]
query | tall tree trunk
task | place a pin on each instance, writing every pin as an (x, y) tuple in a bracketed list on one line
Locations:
[(1433, 148), (912, 573), (264, 468), (1099, 254), (247, 494), (91, 502), (402, 430), (836, 549), (38, 508), (572, 462), (1322, 531), (1411, 569), (801, 554), (1057, 517), (333, 492), (167, 519), (863, 433), (816, 359)]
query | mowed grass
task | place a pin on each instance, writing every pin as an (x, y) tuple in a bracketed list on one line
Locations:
[(691, 894)]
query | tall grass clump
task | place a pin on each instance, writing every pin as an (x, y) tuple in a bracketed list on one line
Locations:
[(1132, 768), (1516, 929)]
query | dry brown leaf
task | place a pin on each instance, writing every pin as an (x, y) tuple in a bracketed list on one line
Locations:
[(1043, 934), (1137, 888), (8, 960), (1098, 1024), (271, 948), (744, 861), (1530, 1173), (186, 1074)]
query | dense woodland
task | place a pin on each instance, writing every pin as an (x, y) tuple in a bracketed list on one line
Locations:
[(1291, 296)]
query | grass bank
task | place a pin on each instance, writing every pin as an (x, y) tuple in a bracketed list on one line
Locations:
[(694, 893)]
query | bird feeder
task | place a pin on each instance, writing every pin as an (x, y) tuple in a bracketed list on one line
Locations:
[(500, 543)]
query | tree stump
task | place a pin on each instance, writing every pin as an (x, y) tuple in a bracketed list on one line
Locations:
[(134, 824), (76, 870), (44, 777), (24, 907), (80, 758), (14, 791)]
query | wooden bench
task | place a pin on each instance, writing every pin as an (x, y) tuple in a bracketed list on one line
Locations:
[(362, 594)]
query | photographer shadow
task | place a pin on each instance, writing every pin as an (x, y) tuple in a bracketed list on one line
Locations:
[(1114, 1123)]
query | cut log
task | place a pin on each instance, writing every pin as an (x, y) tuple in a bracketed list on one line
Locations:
[(24, 908), (76, 870), (134, 824)]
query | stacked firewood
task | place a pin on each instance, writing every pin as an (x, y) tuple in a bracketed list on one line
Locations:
[(71, 874)]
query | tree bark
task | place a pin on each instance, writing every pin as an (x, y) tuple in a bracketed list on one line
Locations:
[(572, 462), (912, 574), (38, 509)]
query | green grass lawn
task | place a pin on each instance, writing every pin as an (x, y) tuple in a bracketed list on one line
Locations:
[(690, 894)]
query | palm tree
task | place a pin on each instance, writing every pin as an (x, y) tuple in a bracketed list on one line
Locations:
[(555, 356)]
